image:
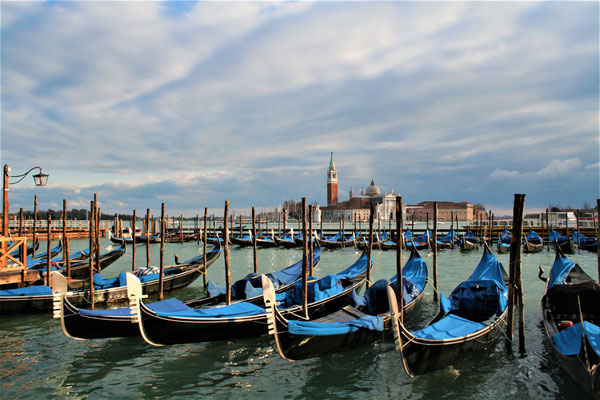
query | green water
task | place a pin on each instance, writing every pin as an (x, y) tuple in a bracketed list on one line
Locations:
[(37, 361)]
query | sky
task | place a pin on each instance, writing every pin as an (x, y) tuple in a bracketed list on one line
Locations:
[(195, 103)]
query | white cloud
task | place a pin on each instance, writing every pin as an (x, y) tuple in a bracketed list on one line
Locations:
[(236, 89), (554, 169)]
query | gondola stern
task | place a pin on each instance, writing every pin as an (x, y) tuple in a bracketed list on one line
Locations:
[(135, 296), (270, 302)]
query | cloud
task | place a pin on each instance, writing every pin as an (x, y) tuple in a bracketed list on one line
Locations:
[(554, 169), (433, 99)]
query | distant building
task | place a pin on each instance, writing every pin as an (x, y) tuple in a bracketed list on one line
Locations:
[(464, 211), (356, 207)]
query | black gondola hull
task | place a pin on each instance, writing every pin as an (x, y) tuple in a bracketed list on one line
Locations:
[(161, 330)]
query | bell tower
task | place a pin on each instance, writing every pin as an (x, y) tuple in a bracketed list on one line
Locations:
[(332, 183)]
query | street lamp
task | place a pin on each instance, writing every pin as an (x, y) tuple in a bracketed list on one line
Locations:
[(40, 179)]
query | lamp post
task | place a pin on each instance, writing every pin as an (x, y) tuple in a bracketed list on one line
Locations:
[(40, 179)]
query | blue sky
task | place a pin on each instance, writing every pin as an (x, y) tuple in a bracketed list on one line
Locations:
[(193, 104)]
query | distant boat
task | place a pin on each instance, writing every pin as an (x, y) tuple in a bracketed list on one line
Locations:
[(504, 241), (337, 241), (564, 242), (585, 242), (468, 242), (533, 242), (287, 240)]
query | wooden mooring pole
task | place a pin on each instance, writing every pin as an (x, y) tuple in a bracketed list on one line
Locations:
[(66, 249), (370, 243), (598, 235), (254, 255), (92, 248), (147, 238), (304, 260), (161, 280), (49, 253), (435, 257), (515, 288), (310, 240), (133, 219), (204, 239), (399, 233), (35, 204), (226, 251)]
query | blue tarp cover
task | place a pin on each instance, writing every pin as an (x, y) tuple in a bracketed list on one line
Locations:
[(470, 237), (449, 237), (415, 270), (243, 289), (41, 290), (505, 237), (241, 309), (533, 237), (557, 237), (584, 240), (293, 272), (489, 268), (317, 289), (568, 341), (310, 328), (559, 272), (355, 269), (169, 305), (449, 327)]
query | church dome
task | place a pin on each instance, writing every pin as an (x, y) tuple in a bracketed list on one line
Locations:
[(373, 190)]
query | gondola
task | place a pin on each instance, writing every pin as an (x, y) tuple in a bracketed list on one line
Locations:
[(381, 242), (38, 298), (337, 241), (265, 240), (564, 242), (128, 239), (81, 269), (17, 253), (391, 243), (287, 240), (80, 323), (42, 258), (244, 240), (367, 321), (446, 241), (468, 242), (533, 242), (187, 325), (118, 322), (504, 241), (421, 242), (362, 243), (468, 321), (583, 242), (176, 236), (572, 321)]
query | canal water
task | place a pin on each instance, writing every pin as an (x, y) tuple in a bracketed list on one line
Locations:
[(38, 362)]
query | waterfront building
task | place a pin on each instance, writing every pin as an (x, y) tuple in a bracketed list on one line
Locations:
[(357, 207)]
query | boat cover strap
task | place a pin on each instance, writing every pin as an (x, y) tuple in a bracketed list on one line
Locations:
[(450, 327), (310, 328), (568, 341)]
